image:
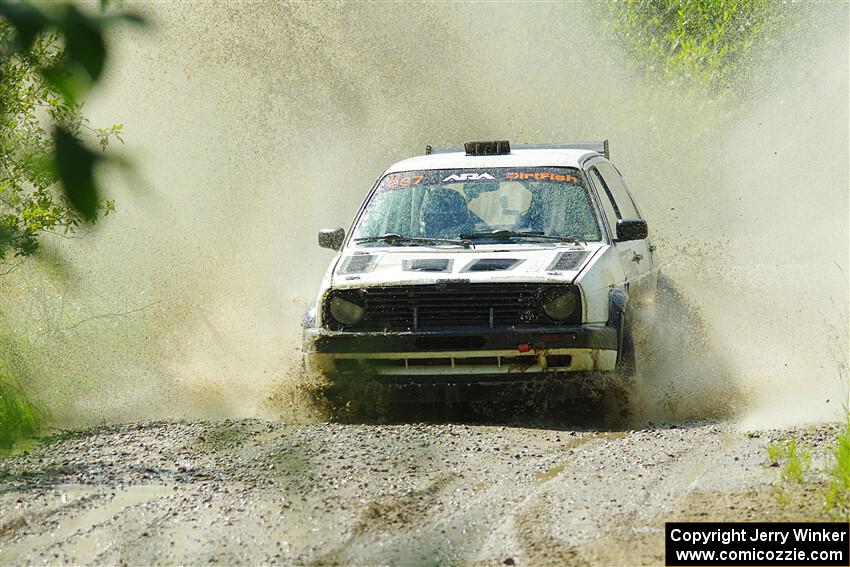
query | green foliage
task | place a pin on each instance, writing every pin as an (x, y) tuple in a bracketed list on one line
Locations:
[(838, 494), (704, 44), (774, 453), (20, 418), (49, 59), (796, 463)]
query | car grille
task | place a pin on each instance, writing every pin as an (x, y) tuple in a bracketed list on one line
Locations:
[(419, 307)]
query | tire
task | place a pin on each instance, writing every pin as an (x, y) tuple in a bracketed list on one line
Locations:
[(616, 402), (626, 366)]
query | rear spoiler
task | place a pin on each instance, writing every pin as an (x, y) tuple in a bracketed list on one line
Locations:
[(599, 147)]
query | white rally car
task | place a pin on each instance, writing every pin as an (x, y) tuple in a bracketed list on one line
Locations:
[(469, 269)]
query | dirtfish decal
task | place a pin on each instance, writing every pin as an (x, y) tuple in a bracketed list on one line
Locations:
[(468, 177)]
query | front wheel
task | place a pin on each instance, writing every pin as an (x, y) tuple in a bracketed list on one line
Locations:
[(626, 365), (616, 401)]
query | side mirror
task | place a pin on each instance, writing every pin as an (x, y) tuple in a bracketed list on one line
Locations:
[(631, 229), (331, 238)]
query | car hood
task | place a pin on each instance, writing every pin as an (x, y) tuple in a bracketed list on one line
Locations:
[(409, 265)]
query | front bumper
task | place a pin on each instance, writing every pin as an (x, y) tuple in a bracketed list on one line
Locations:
[(463, 356)]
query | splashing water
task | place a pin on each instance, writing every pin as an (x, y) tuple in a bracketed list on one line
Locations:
[(254, 125)]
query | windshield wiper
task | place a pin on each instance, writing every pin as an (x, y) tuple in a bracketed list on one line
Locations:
[(393, 239), (502, 233)]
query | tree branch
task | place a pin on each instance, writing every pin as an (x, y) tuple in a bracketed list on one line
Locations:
[(103, 316)]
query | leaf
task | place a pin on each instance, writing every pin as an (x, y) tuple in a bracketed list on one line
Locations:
[(84, 42), (28, 20), (129, 17), (72, 86), (75, 165)]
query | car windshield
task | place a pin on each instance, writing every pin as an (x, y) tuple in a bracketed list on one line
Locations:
[(544, 203)]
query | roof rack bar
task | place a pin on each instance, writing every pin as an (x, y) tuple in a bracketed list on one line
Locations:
[(442, 150), (601, 146)]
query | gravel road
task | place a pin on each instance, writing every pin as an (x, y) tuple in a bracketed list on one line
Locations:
[(254, 491)]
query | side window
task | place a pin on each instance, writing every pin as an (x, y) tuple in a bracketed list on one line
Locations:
[(622, 199), (609, 206)]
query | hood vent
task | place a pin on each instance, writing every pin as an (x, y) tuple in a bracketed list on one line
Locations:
[(567, 261), (492, 265), (428, 265), (357, 264)]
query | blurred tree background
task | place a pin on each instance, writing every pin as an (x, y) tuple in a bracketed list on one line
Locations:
[(708, 45), (49, 60)]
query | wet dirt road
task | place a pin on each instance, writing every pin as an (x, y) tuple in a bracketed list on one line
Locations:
[(258, 492)]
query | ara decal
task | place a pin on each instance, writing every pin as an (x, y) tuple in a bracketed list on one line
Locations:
[(468, 177)]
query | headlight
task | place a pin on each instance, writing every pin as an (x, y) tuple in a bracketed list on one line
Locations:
[(346, 312), (560, 306)]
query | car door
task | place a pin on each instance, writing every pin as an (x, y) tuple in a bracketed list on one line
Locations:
[(635, 256)]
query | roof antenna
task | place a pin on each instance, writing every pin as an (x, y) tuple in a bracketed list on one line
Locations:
[(427, 150)]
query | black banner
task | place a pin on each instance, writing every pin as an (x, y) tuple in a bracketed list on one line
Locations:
[(757, 543)]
